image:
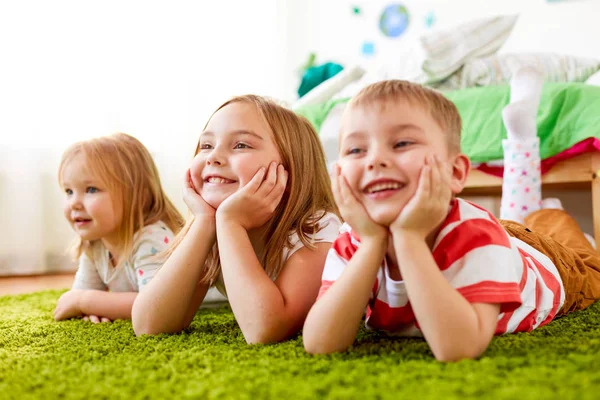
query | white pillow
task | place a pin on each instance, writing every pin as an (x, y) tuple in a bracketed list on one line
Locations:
[(447, 50), (594, 79), (499, 68)]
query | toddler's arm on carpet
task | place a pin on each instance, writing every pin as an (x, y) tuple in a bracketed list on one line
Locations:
[(78, 302)]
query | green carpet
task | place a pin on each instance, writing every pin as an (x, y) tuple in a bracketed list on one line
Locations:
[(40, 358)]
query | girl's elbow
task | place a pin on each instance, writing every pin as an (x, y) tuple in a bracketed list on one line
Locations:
[(263, 336)]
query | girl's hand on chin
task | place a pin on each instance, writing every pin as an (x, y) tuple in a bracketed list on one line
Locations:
[(194, 201), (254, 204)]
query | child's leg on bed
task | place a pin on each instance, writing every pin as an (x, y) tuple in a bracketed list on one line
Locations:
[(522, 186)]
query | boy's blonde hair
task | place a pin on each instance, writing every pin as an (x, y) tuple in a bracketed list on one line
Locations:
[(442, 110), (307, 197), (124, 165)]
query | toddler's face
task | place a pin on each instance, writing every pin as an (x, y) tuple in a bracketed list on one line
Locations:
[(236, 143), (88, 205), (383, 148)]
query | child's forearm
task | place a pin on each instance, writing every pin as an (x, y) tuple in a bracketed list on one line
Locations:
[(333, 321), (112, 305), (174, 294), (451, 325), (256, 301)]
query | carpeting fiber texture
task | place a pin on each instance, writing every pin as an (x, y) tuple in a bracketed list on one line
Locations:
[(40, 358)]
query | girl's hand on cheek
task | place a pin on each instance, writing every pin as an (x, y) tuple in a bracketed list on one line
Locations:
[(254, 204), (194, 201), (352, 210), (429, 206)]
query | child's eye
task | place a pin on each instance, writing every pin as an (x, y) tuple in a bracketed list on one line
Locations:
[(242, 146), (205, 146), (402, 143), (91, 189), (353, 150), (68, 192)]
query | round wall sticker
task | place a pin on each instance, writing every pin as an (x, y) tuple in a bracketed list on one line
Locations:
[(394, 20)]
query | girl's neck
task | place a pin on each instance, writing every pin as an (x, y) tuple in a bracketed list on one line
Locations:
[(111, 245)]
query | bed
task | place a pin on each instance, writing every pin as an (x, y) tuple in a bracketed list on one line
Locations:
[(579, 172)]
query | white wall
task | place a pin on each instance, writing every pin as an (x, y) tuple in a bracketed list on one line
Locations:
[(74, 69)]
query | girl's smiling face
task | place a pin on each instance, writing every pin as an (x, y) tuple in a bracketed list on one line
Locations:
[(236, 143)]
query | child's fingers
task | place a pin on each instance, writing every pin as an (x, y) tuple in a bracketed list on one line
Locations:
[(104, 319), (86, 318), (424, 188), (256, 180), (268, 183), (443, 180), (274, 197), (436, 177), (187, 181), (335, 184), (345, 190), (94, 319)]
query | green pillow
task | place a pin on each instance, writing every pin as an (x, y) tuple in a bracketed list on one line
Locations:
[(568, 114)]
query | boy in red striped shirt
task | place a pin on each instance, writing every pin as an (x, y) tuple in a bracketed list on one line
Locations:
[(424, 262)]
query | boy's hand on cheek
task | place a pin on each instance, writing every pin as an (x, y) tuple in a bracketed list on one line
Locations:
[(353, 211), (194, 201), (429, 206), (254, 204)]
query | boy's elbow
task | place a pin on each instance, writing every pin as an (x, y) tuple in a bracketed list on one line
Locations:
[(315, 345), (454, 355)]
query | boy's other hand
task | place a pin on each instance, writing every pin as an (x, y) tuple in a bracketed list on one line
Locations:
[(429, 206), (353, 211)]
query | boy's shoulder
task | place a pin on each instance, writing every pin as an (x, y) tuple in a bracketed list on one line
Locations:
[(469, 225)]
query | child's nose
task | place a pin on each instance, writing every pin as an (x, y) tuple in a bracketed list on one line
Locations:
[(377, 160), (215, 158), (75, 202)]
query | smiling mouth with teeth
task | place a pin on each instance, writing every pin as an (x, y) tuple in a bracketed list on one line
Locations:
[(384, 186), (218, 180)]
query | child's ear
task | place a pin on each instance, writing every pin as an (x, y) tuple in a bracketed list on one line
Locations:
[(460, 171)]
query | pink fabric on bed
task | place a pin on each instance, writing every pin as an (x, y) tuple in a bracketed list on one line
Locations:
[(585, 146)]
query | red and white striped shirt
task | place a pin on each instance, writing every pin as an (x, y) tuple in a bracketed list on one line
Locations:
[(479, 259)]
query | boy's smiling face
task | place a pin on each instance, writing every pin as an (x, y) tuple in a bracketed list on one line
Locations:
[(383, 147)]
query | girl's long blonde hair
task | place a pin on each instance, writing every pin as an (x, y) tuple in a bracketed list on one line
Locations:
[(307, 197), (125, 166)]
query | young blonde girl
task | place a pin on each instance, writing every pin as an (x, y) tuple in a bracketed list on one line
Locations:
[(116, 205), (264, 220)]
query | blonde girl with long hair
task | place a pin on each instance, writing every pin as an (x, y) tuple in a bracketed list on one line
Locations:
[(263, 221), (115, 203)]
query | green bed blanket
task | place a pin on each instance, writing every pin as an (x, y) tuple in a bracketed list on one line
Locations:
[(568, 114)]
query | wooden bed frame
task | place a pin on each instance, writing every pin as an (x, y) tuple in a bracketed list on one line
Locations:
[(579, 172)]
